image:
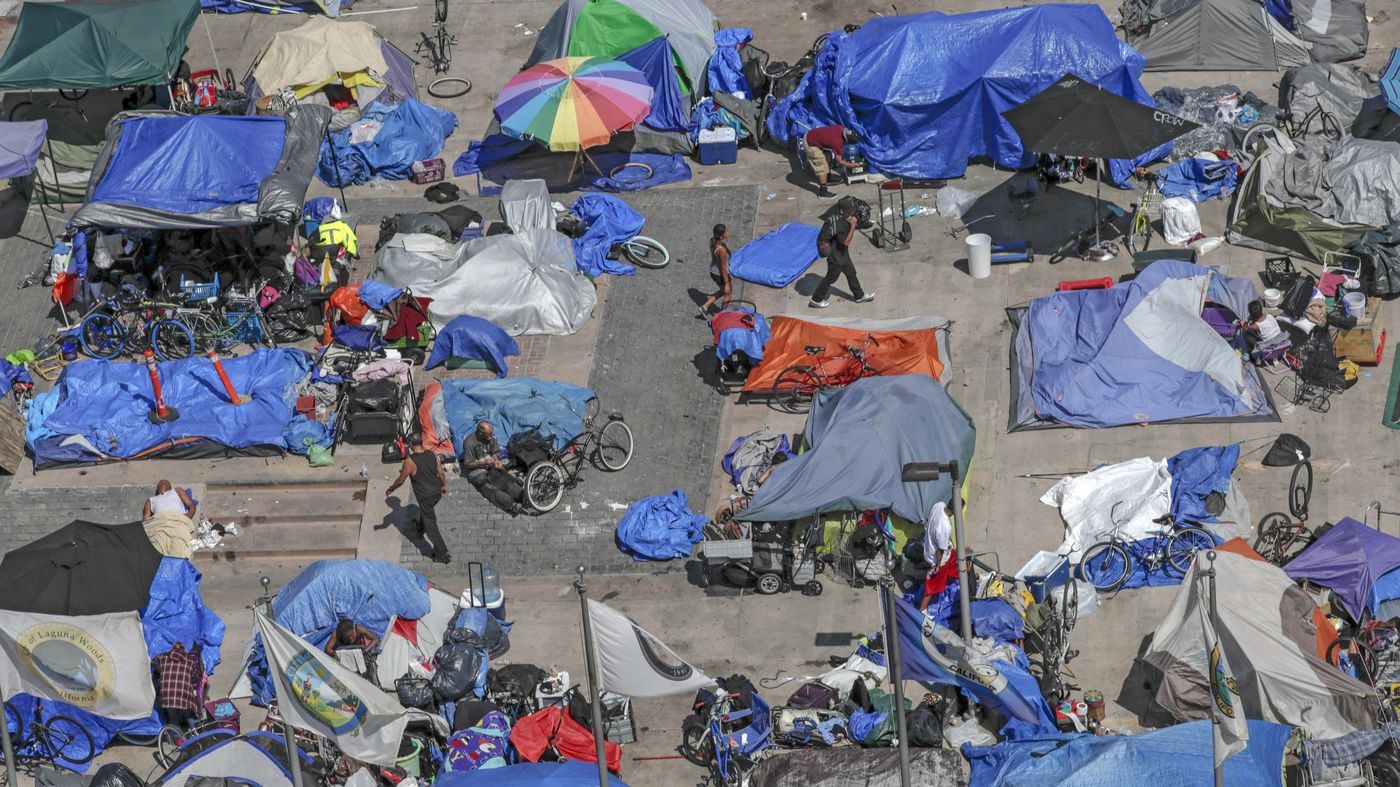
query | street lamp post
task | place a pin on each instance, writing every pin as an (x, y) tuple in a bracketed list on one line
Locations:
[(917, 472)]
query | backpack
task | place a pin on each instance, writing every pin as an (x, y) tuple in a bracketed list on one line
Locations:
[(529, 448), (825, 238), (813, 695)]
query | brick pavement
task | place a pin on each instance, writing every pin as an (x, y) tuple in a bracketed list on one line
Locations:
[(645, 366)]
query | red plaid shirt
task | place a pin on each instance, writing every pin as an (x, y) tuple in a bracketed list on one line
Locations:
[(178, 673)]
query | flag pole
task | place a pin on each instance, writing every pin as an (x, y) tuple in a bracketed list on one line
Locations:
[(896, 676), (288, 736), (8, 746), (594, 697), (1216, 740), (964, 557)]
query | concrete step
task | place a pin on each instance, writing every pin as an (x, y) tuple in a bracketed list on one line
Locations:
[(304, 521)]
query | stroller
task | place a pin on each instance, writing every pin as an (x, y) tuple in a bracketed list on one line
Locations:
[(738, 334)]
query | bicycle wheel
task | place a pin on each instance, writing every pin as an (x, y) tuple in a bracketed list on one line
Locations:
[(73, 95), (21, 111), (67, 740), (1140, 231), (544, 486), (1106, 566), (733, 771), (134, 739), (207, 331), (1300, 490), (646, 252), (695, 741), (1183, 545), (172, 340), (615, 445), (795, 387), (449, 87), (102, 335), (1069, 248), (168, 742), (1353, 657), (1069, 605), (14, 723), (1275, 538)]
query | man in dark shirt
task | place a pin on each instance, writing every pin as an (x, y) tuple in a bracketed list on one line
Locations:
[(837, 232), (429, 486), (178, 675), (825, 140), (487, 472)]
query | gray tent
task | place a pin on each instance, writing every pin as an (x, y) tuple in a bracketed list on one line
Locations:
[(861, 436), (1339, 91), (1216, 35), (1336, 29), (850, 766), (524, 283)]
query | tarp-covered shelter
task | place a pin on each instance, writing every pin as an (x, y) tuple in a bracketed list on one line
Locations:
[(408, 132), (855, 766), (525, 282), (97, 411), (170, 171), (926, 93), (1135, 353), (1348, 559), (1178, 756), (20, 143), (609, 28), (860, 437), (568, 773), (901, 345), (331, 8), (1216, 35), (514, 405), (323, 52), (96, 44), (1275, 640)]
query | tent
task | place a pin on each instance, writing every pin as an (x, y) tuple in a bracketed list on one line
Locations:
[(1348, 559), (1135, 353), (167, 171), (322, 52), (860, 437), (1336, 30), (906, 345), (408, 132), (853, 766), (515, 404), (97, 411), (1275, 640), (1178, 756), (96, 44), (20, 143), (75, 137), (256, 758), (1216, 35), (609, 28), (525, 282), (330, 8), (926, 93)]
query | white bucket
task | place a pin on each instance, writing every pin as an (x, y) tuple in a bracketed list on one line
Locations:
[(979, 255), (1272, 298), (1355, 303)]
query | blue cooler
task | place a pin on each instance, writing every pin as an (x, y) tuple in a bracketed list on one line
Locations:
[(718, 146)]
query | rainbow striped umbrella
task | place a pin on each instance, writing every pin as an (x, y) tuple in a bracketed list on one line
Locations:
[(573, 103)]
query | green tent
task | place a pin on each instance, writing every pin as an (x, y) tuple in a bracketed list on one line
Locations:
[(609, 28), (93, 44)]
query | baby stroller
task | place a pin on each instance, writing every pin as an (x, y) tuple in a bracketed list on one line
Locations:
[(738, 334)]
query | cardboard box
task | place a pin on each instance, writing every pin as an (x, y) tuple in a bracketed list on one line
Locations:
[(429, 171), (1364, 343)]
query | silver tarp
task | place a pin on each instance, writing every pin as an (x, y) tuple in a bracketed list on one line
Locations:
[(1217, 35), (855, 767), (1355, 181)]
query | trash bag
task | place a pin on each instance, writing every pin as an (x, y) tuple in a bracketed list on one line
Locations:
[(517, 679), (1180, 221), (528, 448), (414, 692), (317, 455), (814, 695), (1287, 450), (1380, 261), (115, 774), (925, 722), (458, 662), (954, 203)]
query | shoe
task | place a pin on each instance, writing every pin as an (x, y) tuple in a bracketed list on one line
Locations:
[(866, 298), (443, 559), (816, 304), (825, 193)]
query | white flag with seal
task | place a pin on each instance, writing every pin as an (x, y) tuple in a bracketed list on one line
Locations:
[(87, 661), (633, 663), (1230, 730), (316, 694)]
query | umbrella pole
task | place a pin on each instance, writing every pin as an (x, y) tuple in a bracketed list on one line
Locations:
[(54, 164)]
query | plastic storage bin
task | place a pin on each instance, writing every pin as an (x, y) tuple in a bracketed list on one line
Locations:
[(1043, 573), (718, 146)]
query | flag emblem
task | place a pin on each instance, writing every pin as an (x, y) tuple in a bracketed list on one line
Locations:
[(323, 695), (75, 664)]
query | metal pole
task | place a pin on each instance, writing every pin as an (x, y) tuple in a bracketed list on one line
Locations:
[(896, 676), (1215, 739), (212, 51), (57, 189), (294, 760), (964, 556), (8, 746), (43, 211), (595, 699)]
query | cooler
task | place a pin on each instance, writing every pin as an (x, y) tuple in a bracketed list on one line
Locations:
[(429, 171), (718, 146)]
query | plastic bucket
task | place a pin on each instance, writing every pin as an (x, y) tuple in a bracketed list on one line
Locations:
[(409, 750), (69, 349), (979, 255), (1272, 298), (1355, 303)]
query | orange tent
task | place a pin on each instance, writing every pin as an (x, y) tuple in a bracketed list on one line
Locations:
[(900, 346)]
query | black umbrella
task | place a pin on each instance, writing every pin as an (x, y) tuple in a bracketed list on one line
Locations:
[(81, 569), (1076, 118)]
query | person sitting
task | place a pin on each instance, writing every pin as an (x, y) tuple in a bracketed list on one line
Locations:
[(167, 498), (349, 634), (822, 141), (1261, 332), (736, 504), (487, 472)]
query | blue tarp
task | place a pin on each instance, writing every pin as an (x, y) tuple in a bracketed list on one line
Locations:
[(725, 71), (926, 93), (1178, 756), (1199, 180), (995, 618), (496, 158), (610, 221), (777, 257), (409, 132), (105, 404), (657, 63), (1196, 472), (475, 339), (659, 528), (530, 774), (377, 295), (189, 164), (1282, 10), (515, 404), (749, 342), (20, 142), (11, 374)]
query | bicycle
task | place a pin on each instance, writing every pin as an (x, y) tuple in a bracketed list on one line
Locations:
[(719, 740), (223, 328), (1281, 536), (608, 447), (1108, 564), (644, 251), (1083, 243), (797, 384), (1047, 631), (57, 740), (1150, 206), (131, 325)]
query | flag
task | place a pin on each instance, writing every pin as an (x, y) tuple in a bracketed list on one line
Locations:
[(633, 663), (1230, 730), (932, 653), (316, 694), (88, 661)]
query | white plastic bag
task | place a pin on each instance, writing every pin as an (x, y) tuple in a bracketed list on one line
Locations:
[(954, 203), (967, 732), (1180, 221)]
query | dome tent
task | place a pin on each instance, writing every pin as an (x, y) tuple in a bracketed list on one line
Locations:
[(609, 28)]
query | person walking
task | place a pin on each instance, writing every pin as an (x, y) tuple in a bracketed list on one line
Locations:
[(821, 142), (429, 483), (719, 270), (834, 241)]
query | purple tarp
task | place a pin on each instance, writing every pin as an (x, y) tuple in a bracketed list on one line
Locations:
[(1348, 559), (20, 142)]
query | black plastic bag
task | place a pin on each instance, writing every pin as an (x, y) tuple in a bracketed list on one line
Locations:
[(458, 662), (1287, 451), (414, 692)]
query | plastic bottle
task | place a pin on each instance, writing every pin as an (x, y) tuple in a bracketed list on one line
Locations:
[(491, 584), (364, 472)]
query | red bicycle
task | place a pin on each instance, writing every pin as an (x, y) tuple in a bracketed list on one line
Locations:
[(797, 384)]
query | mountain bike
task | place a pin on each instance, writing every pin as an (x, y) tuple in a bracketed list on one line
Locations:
[(52, 740), (797, 384), (608, 447), (131, 325), (1148, 207), (1108, 564), (1281, 536)]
